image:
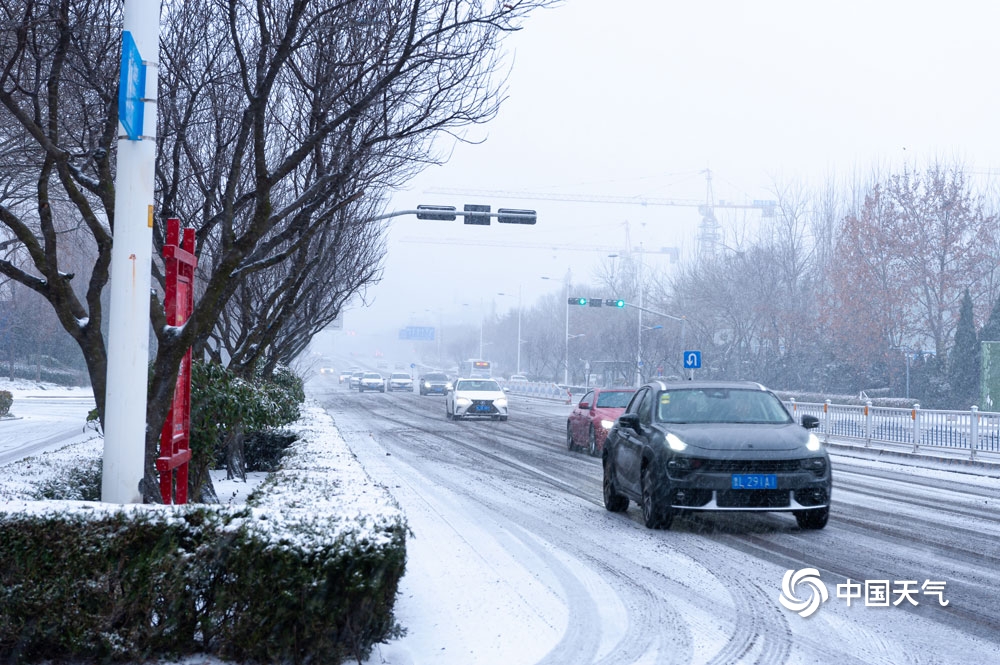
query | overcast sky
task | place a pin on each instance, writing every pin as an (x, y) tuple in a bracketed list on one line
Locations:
[(637, 98)]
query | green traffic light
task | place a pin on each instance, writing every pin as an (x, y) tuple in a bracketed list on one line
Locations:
[(619, 303), (581, 301)]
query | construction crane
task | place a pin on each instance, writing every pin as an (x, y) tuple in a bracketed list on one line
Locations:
[(709, 230), (672, 253)]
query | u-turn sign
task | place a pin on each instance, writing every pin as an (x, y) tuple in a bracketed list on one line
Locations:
[(692, 359)]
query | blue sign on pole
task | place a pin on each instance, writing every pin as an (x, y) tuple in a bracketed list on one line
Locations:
[(692, 359), (131, 88)]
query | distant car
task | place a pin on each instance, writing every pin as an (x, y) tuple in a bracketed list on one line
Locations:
[(345, 375), (517, 377), (400, 381), (434, 383), (355, 379), (593, 417), (482, 398), (326, 370), (714, 445), (371, 381)]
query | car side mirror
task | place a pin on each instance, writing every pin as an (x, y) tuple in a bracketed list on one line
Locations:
[(584, 406), (630, 420), (810, 422)]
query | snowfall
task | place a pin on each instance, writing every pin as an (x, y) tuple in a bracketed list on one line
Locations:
[(46, 432)]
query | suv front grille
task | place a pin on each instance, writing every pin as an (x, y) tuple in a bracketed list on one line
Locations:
[(749, 466)]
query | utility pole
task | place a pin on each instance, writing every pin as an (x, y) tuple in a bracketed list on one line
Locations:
[(566, 341), (131, 257), (519, 328), (638, 352)]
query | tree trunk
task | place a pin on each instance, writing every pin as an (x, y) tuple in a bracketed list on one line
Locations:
[(236, 465)]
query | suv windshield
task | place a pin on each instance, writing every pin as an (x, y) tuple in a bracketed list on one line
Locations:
[(720, 405), (436, 377), (399, 375)]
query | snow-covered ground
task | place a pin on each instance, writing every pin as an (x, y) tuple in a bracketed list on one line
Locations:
[(46, 431), (476, 594)]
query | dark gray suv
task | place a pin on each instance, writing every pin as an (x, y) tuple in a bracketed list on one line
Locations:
[(720, 446), (434, 383)]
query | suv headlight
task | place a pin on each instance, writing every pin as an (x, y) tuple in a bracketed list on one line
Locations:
[(502, 402), (607, 424), (675, 442), (815, 464), (812, 443), (462, 401)]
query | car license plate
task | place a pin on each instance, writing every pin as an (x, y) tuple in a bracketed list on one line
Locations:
[(754, 481), (482, 407)]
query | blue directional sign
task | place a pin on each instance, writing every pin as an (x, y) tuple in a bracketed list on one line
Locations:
[(131, 88), (692, 359), (417, 333)]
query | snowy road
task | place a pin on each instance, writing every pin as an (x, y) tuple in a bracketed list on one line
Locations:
[(513, 558), (42, 421)]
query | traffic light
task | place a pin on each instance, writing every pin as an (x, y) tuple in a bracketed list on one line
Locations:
[(443, 213), (514, 216), (595, 302), (611, 302), (477, 214), (578, 301)]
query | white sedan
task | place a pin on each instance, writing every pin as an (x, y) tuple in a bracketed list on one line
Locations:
[(400, 381), (371, 381), (481, 398)]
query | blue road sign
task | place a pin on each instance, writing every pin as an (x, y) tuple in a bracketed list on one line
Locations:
[(692, 359), (131, 88), (417, 333)]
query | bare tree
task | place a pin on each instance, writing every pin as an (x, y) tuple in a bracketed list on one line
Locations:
[(275, 117)]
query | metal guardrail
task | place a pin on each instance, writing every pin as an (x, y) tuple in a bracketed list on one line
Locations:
[(543, 389), (973, 430)]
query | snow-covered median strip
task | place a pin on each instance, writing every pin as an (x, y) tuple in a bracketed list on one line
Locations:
[(309, 567)]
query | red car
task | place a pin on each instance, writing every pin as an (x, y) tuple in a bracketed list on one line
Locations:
[(593, 417)]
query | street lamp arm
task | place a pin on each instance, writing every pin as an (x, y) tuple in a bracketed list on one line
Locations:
[(394, 213), (653, 311)]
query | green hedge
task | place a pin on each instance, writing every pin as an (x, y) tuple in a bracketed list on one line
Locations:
[(307, 571)]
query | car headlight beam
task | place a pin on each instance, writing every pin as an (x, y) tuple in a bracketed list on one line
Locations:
[(812, 443), (607, 424), (675, 442)]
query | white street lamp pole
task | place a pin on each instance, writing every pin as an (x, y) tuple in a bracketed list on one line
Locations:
[(566, 335), (566, 349), (518, 324), (519, 329), (128, 311), (638, 346)]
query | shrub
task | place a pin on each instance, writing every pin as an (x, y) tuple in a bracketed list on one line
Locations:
[(79, 483), (6, 399)]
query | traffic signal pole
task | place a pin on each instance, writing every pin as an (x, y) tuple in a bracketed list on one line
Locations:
[(131, 257)]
